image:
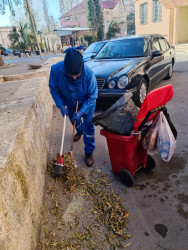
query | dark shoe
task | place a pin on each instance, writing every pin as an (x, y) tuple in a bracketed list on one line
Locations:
[(77, 137), (89, 159)]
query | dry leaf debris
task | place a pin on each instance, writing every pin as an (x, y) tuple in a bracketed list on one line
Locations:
[(106, 212)]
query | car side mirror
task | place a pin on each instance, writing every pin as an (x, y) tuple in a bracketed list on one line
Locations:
[(156, 53), (92, 57)]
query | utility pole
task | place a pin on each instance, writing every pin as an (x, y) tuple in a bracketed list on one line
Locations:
[(31, 17)]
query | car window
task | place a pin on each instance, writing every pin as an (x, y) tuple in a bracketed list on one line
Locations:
[(155, 45), (98, 47), (124, 48), (167, 44), (163, 44), (90, 48)]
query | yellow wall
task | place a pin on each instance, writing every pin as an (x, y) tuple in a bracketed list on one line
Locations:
[(171, 26), (149, 28), (182, 28)]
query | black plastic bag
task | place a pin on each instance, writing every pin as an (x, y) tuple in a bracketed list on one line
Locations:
[(120, 117), (174, 131)]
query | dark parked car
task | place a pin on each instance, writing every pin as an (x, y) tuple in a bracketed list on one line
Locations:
[(92, 50), (132, 63), (16, 53)]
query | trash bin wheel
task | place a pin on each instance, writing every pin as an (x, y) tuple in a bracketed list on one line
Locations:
[(126, 177), (150, 164)]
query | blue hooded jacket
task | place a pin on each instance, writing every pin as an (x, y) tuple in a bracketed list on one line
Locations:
[(66, 91)]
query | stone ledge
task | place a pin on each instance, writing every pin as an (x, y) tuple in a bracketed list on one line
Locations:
[(26, 114), (44, 71)]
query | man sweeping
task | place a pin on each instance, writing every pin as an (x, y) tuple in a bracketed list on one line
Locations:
[(72, 81)]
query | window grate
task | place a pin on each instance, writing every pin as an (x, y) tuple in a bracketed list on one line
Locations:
[(156, 11), (143, 13)]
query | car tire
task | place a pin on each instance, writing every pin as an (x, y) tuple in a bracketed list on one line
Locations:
[(141, 92), (169, 72), (126, 178)]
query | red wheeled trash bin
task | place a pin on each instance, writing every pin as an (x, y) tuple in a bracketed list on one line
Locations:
[(127, 154)]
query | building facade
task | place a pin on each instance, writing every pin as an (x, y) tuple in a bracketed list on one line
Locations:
[(114, 10), (76, 17), (74, 24), (51, 41), (4, 40), (129, 5), (166, 17), (67, 5)]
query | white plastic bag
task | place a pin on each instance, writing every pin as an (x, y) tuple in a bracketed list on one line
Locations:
[(166, 143), (150, 140)]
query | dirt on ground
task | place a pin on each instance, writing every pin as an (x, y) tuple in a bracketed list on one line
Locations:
[(82, 211)]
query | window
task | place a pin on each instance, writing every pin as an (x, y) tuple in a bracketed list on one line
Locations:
[(155, 45), (163, 44), (143, 13), (125, 48), (167, 44), (98, 47), (107, 24), (156, 11), (120, 7)]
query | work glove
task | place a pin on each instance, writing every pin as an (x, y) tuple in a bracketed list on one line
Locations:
[(64, 111), (77, 116)]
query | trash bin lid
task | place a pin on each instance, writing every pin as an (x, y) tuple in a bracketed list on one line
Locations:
[(154, 99)]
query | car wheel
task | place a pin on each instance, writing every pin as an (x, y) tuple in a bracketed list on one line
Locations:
[(141, 92), (126, 177), (169, 72)]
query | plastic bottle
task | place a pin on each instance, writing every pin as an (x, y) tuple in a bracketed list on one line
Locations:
[(164, 150)]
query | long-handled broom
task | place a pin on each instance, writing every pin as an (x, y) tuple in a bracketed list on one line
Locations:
[(59, 165), (71, 151)]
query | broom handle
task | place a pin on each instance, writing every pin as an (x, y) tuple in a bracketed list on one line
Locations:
[(74, 127), (63, 135)]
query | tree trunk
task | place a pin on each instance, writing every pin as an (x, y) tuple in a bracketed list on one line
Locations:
[(1, 61), (35, 33)]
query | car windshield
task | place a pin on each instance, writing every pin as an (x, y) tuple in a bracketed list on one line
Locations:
[(124, 48), (94, 48)]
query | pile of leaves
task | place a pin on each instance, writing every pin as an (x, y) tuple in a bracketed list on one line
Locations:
[(105, 211)]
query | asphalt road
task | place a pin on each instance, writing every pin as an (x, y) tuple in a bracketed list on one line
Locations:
[(158, 204)]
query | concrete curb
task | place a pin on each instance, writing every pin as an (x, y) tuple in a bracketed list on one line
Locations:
[(26, 115)]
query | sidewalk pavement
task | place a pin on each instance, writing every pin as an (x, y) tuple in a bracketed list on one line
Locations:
[(21, 65), (181, 47)]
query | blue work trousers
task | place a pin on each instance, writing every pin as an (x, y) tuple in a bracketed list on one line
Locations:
[(85, 127)]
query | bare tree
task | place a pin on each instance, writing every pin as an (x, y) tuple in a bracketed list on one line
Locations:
[(11, 4)]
